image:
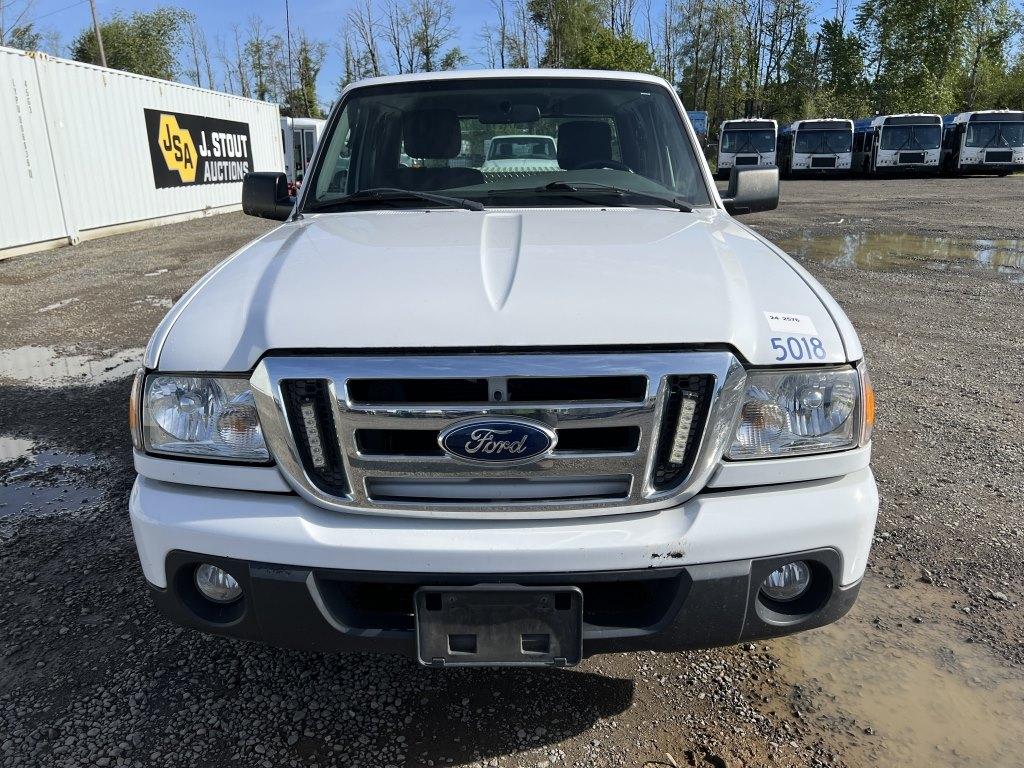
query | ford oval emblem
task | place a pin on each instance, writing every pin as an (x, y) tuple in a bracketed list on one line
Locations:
[(497, 441)]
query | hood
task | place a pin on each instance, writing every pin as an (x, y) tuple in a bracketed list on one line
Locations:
[(565, 277)]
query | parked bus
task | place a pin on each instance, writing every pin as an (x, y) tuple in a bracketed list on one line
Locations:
[(888, 143), (989, 141), (746, 141), (299, 136), (817, 146)]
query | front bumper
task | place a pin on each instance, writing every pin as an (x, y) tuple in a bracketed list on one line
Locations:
[(982, 167), (664, 609), (703, 560)]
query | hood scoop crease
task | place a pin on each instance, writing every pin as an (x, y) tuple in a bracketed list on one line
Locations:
[(500, 239)]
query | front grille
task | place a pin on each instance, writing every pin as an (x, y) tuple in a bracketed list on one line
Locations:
[(823, 162), (749, 160), (999, 156), (362, 433), (911, 158)]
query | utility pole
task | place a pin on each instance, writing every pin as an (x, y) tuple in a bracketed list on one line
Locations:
[(288, 34), (99, 35)]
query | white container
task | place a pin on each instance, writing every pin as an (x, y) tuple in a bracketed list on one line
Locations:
[(75, 150)]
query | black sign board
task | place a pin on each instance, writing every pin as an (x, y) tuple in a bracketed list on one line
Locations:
[(191, 149)]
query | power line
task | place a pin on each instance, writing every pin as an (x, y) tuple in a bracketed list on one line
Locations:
[(59, 10)]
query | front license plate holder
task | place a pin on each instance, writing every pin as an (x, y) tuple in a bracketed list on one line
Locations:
[(499, 625)]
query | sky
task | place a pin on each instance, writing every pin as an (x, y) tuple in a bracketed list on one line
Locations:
[(321, 19)]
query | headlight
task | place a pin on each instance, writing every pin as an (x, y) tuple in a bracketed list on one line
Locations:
[(789, 413), (202, 417)]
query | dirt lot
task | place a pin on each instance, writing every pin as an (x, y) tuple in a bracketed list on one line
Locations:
[(928, 670)]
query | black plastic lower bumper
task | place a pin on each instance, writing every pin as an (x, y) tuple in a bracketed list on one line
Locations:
[(667, 609)]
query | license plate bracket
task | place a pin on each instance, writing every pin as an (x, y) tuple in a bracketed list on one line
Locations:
[(499, 625)]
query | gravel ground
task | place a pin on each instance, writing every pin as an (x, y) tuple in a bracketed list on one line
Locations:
[(91, 675)]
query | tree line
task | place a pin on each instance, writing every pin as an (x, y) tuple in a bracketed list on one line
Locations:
[(731, 58)]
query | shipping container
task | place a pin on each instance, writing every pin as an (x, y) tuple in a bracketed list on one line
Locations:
[(88, 151)]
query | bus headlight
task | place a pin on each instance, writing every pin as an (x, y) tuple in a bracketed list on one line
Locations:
[(790, 413)]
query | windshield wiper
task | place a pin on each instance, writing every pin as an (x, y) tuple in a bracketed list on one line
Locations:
[(580, 189), (388, 194)]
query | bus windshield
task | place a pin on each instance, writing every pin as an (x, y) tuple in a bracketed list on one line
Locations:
[(734, 140), (910, 137), (590, 141), (995, 135), (829, 142)]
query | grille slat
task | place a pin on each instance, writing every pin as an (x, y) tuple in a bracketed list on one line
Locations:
[(424, 442), (544, 389)]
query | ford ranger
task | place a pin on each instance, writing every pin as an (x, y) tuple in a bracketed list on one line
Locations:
[(518, 418)]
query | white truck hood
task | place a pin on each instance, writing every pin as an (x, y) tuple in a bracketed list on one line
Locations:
[(539, 277)]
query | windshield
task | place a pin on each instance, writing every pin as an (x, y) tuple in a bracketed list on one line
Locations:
[(910, 137), (748, 141), (522, 148), (995, 135), (827, 142), (438, 135)]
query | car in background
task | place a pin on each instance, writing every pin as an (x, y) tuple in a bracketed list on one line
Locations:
[(521, 153)]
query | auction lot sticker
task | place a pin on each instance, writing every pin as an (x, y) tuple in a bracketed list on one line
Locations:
[(192, 149)]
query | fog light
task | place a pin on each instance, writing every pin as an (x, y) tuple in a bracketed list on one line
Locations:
[(216, 584), (788, 582)]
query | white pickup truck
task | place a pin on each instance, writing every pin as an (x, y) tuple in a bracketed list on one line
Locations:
[(518, 419)]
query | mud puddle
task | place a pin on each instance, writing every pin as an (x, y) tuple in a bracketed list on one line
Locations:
[(885, 252), (45, 367), (918, 696), (42, 482)]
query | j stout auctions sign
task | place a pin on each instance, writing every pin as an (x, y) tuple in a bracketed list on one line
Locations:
[(191, 149)]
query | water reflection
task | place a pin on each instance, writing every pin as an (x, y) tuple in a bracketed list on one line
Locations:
[(39, 482), (882, 252), (44, 367)]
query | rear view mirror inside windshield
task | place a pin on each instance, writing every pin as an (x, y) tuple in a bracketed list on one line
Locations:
[(506, 113)]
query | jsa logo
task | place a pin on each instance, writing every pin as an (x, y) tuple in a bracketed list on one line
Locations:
[(178, 149)]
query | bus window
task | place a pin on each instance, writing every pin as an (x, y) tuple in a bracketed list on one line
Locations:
[(995, 135), (832, 141), (910, 137), (310, 143), (297, 156), (745, 140)]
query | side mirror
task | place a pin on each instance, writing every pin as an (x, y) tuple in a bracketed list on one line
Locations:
[(752, 190), (266, 195)]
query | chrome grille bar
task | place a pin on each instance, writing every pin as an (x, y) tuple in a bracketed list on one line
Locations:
[(365, 472)]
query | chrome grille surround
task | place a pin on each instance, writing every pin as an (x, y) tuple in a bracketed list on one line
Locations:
[(364, 471)]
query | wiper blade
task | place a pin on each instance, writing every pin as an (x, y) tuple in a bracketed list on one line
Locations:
[(582, 187), (387, 194)]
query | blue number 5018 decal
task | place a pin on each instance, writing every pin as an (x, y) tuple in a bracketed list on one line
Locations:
[(798, 348)]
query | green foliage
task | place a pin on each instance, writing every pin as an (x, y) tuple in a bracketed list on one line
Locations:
[(577, 36), (842, 90), (603, 49), (145, 42), (301, 101), (24, 37)]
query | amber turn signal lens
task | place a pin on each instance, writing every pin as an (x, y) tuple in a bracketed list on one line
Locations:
[(135, 409), (868, 400)]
